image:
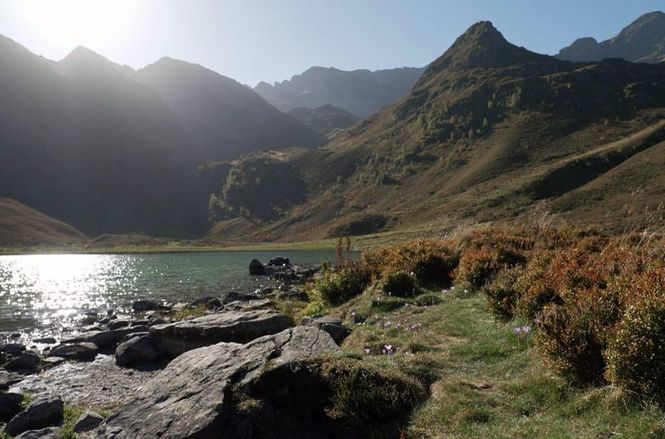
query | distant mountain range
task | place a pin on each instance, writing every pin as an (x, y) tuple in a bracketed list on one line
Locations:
[(107, 149), (360, 92), (490, 131), (641, 41)]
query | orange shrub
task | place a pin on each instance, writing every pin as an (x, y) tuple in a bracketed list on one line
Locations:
[(572, 337), (430, 261)]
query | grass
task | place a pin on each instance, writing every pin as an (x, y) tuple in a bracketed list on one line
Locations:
[(484, 380)]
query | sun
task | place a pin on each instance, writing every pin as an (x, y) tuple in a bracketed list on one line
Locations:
[(88, 22)]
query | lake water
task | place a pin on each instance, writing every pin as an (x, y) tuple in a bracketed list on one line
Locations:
[(45, 292)]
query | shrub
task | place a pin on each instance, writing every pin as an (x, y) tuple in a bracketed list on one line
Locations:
[(368, 398), (430, 261), (399, 284), (502, 294), (636, 354), (479, 266), (337, 287), (572, 337)]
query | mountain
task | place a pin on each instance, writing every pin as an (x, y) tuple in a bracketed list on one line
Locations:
[(360, 92), (642, 41), (223, 118), (21, 226), (491, 131), (326, 120), (84, 143)]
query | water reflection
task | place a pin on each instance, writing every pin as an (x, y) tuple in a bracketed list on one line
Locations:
[(42, 291)]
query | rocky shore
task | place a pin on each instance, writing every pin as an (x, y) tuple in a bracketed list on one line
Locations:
[(226, 365)]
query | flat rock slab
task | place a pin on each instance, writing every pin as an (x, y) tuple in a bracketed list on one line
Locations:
[(100, 383), (236, 326), (190, 397)]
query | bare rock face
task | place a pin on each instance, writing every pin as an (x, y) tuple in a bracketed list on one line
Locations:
[(78, 351), (194, 396), (10, 405), (239, 326), (45, 412), (138, 350)]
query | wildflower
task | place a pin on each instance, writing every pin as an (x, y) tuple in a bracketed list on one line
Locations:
[(387, 349), (398, 326), (517, 330), (368, 351), (416, 327)]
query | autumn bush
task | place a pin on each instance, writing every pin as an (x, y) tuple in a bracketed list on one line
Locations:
[(501, 293), (400, 284), (477, 266), (636, 353), (573, 336), (430, 261)]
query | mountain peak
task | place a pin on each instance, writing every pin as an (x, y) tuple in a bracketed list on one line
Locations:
[(643, 40), (482, 46)]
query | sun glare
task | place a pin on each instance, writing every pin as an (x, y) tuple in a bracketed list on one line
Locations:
[(90, 22)]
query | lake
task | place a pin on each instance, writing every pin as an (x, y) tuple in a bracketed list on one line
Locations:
[(45, 292)]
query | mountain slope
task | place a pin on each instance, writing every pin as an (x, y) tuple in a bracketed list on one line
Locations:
[(490, 131), (21, 226), (641, 41), (326, 120), (222, 117), (360, 92), (83, 142)]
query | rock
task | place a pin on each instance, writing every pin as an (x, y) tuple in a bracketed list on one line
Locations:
[(138, 350), (102, 339), (252, 304), (45, 340), (10, 405), (279, 261), (292, 295), (256, 268), (213, 304), (45, 412), (141, 322), (148, 305), (88, 421), (199, 302), (131, 335), (233, 297), (78, 351), (9, 379), (332, 325), (15, 335), (28, 360), (52, 361), (124, 332), (118, 323), (200, 383), (12, 348), (88, 320), (229, 326), (44, 433)]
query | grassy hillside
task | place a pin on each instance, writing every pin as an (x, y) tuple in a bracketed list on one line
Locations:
[(21, 226), (526, 331), (490, 132)]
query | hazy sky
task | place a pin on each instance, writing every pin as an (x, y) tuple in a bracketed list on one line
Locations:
[(254, 40)]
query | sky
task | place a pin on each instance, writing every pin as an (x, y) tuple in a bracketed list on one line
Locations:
[(272, 40)]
